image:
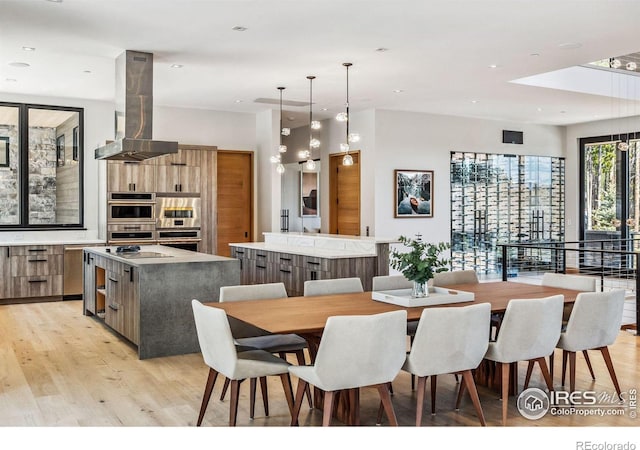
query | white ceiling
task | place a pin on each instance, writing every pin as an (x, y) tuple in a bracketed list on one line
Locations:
[(439, 53)]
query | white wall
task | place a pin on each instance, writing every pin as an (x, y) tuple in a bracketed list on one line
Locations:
[(424, 141)]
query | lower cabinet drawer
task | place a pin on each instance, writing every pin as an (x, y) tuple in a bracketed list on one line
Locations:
[(37, 265), (37, 286)]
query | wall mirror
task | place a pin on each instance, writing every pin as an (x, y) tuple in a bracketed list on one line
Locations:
[(309, 193)]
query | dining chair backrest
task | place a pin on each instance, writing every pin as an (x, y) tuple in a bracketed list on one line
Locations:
[(252, 292), (455, 277), (450, 340), (332, 286), (530, 329), (214, 336), (361, 350), (390, 282), (595, 320), (563, 281)]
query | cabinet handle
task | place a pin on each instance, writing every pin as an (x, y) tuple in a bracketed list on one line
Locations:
[(134, 187), (261, 256), (313, 263), (175, 188), (37, 249), (37, 281), (239, 252), (285, 271), (37, 260), (180, 187), (261, 267), (178, 164), (115, 308), (314, 275), (285, 259), (111, 279), (132, 228)]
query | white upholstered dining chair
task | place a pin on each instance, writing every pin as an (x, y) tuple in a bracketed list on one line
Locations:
[(529, 332), (249, 336), (449, 340), (332, 286), (455, 277), (355, 352), (220, 353), (594, 324)]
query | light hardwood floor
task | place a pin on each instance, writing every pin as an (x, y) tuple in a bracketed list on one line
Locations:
[(60, 368)]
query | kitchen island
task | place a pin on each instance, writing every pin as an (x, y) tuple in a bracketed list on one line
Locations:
[(145, 296), (293, 258)]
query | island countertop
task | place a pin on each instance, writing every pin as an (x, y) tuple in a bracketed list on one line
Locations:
[(155, 254)]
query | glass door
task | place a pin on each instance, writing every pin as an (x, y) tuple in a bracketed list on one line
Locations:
[(610, 204)]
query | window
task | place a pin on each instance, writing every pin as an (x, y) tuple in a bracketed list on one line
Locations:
[(41, 168)]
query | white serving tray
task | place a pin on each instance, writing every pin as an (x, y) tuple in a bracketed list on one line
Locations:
[(437, 296)]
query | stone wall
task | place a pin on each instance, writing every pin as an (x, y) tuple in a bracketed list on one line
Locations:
[(9, 179)]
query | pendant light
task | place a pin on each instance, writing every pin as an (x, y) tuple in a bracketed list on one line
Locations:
[(313, 143), (277, 158), (344, 117)]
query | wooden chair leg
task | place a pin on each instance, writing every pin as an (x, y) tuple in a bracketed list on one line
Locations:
[(413, 382), (233, 406), (288, 390), (385, 397), (456, 377), (211, 381), (302, 386), (422, 386), (329, 399), (527, 378), (551, 365), (224, 389), (564, 366), (460, 393), (467, 379), (301, 362), (505, 391), (586, 358), (354, 406), (572, 371), (252, 397), (612, 372), (265, 395), (545, 372), (434, 382)]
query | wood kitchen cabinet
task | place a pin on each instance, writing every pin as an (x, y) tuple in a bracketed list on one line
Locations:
[(5, 273), (122, 305), (179, 172), (131, 176), (89, 282), (36, 270)]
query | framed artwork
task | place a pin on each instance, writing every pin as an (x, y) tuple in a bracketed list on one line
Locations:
[(75, 144), (309, 189), (413, 193), (4, 151), (60, 151)]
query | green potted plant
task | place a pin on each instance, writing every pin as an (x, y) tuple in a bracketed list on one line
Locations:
[(420, 262)]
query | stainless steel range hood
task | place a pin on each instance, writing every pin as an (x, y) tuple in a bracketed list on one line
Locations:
[(134, 112)]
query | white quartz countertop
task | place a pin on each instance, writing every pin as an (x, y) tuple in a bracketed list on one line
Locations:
[(168, 255), (306, 251), (56, 242), (321, 236)]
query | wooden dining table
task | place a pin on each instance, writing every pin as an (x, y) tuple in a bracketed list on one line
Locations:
[(308, 315)]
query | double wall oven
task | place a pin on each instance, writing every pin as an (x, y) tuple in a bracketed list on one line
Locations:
[(144, 218)]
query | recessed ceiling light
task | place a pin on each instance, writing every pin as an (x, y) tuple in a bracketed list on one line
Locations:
[(570, 45), (176, 66), (563, 112), (474, 101), (324, 109), (238, 101), (19, 64), (534, 54), (239, 28), (29, 49), (382, 49), (493, 66), (397, 91), (10, 80), (55, 1), (539, 109), (86, 71)]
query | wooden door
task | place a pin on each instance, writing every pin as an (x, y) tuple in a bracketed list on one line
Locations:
[(344, 195), (234, 202)]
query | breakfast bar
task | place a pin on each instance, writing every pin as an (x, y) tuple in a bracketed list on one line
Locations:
[(145, 294)]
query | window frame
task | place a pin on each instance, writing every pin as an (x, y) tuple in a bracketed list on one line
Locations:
[(23, 168)]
